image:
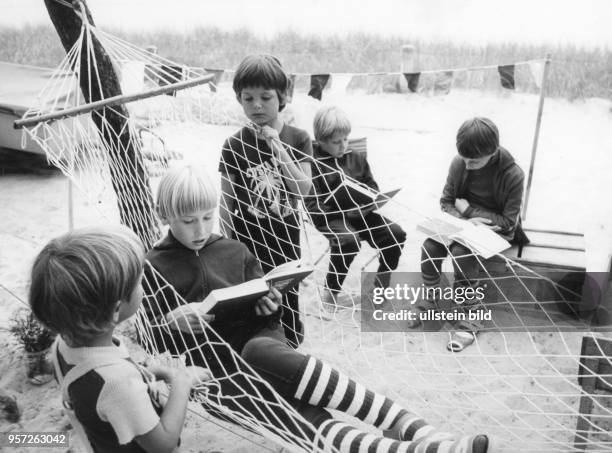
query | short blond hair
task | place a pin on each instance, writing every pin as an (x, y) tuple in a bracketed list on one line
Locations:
[(330, 120), (185, 189), (78, 278)]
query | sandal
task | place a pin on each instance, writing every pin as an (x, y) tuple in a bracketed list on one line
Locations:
[(414, 323), (460, 340)]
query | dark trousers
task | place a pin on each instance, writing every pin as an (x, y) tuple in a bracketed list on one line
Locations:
[(275, 241), (282, 367), (465, 264), (237, 390), (466, 270), (345, 236)]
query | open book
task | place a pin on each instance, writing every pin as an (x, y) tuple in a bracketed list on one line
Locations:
[(241, 297), (478, 238), (353, 195)]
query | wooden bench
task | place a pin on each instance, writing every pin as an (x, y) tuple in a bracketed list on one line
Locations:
[(560, 257), (594, 375)]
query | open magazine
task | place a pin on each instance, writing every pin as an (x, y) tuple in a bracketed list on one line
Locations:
[(480, 239), (353, 195), (284, 278)]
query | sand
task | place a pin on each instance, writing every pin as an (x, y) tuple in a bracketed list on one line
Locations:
[(521, 387)]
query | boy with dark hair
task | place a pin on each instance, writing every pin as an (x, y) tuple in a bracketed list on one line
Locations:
[(265, 169), (484, 185), (346, 229)]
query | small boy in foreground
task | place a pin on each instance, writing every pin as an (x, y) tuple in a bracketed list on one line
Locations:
[(83, 285)]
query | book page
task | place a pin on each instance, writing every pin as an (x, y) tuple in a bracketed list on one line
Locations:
[(288, 276), (384, 198), (290, 267), (362, 189), (253, 289), (446, 228), (482, 240)]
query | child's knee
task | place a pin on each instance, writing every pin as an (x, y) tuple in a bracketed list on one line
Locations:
[(398, 234), (346, 242), (432, 249), (460, 251), (256, 350)]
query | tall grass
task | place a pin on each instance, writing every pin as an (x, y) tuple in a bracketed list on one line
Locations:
[(576, 72)]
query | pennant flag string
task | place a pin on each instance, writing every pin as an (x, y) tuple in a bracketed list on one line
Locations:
[(506, 74), (317, 84)]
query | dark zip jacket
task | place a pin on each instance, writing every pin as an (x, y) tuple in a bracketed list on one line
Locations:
[(194, 274), (327, 176)]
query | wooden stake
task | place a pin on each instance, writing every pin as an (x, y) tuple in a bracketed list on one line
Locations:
[(128, 176), (536, 133)]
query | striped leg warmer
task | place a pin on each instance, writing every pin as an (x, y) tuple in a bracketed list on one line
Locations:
[(337, 436), (322, 386)]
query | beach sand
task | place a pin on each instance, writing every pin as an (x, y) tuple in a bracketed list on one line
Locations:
[(521, 387)]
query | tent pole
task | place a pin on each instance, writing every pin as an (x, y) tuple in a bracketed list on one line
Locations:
[(536, 134)]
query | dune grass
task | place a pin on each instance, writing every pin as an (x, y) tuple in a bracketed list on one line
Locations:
[(576, 73)]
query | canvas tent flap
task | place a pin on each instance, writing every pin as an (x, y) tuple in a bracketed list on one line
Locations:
[(20, 88)]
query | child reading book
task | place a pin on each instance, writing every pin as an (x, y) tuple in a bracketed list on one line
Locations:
[(232, 299), (346, 225), (265, 169), (83, 284), (476, 236), (195, 262), (485, 187)]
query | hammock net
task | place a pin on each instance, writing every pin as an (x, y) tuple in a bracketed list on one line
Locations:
[(511, 383)]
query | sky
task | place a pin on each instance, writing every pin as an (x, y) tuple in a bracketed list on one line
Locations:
[(585, 23)]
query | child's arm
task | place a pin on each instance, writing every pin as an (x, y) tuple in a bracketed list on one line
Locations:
[(508, 219), (298, 175), (367, 177), (226, 206), (268, 304), (165, 436), (186, 319), (447, 202)]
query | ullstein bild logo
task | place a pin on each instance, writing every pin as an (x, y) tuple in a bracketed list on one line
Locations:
[(557, 301)]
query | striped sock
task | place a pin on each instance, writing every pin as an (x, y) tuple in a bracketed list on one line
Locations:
[(334, 435), (323, 386)]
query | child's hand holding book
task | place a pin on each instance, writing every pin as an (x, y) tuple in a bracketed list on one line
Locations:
[(188, 318), (484, 222), (268, 304)]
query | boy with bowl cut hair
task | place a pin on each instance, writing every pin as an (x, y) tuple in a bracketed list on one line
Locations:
[(261, 70), (265, 170)]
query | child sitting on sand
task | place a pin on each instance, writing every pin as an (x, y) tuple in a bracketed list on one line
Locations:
[(83, 285)]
